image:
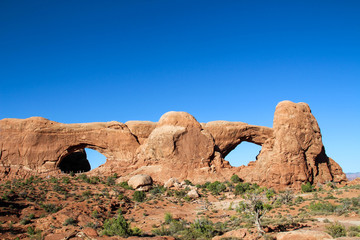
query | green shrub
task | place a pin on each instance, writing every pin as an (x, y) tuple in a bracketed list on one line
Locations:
[(299, 199), (95, 214), (86, 194), (270, 193), (116, 227), (94, 180), (307, 187), (216, 187), (110, 181), (322, 207), (354, 231), (336, 230), (31, 230), (69, 221), (235, 178), (25, 221), (157, 190), (66, 180), (241, 188), (51, 207), (124, 185), (188, 182), (139, 196), (168, 218)]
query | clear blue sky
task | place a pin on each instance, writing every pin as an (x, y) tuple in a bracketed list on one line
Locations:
[(87, 61)]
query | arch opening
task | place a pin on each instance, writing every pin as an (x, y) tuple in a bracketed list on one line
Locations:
[(243, 153), (80, 159)]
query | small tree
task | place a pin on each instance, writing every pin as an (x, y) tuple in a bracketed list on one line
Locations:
[(235, 178), (307, 187), (117, 227), (257, 205)]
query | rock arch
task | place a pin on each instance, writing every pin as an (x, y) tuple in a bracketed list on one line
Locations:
[(177, 146)]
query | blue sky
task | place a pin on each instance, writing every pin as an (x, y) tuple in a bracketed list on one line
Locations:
[(87, 61)]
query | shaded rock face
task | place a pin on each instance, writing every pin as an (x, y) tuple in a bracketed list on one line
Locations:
[(177, 146), (75, 162)]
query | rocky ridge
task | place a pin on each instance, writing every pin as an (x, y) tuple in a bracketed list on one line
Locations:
[(177, 146)]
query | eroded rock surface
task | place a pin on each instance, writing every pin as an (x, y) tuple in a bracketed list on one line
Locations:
[(177, 146)]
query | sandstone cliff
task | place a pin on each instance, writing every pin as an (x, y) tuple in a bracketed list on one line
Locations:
[(177, 146)]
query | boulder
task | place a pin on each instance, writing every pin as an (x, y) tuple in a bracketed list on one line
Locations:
[(171, 182), (303, 235), (140, 180), (193, 194)]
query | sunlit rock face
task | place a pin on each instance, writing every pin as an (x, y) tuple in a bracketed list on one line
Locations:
[(176, 146)]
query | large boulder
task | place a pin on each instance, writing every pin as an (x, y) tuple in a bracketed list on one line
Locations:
[(140, 180), (303, 235)]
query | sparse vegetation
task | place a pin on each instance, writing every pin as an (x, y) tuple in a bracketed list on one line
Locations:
[(118, 227), (336, 230), (139, 196), (307, 187), (36, 197)]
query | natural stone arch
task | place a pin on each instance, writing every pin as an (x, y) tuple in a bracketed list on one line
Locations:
[(177, 146), (243, 154), (75, 158), (228, 135)]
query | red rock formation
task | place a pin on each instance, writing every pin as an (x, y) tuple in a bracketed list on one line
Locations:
[(177, 146)]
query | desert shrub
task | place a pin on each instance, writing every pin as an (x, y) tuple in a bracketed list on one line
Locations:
[(53, 180), (286, 197), (51, 208), (31, 230), (162, 231), (86, 194), (110, 181), (124, 185), (307, 187), (201, 229), (58, 188), (322, 207), (69, 221), (25, 221), (180, 193), (299, 199), (235, 178), (117, 227), (139, 196), (330, 196), (168, 218), (95, 214), (270, 193), (66, 180), (355, 201), (336, 230), (216, 187), (136, 231), (353, 231), (331, 185), (94, 180), (157, 190), (188, 182), (241, 188)]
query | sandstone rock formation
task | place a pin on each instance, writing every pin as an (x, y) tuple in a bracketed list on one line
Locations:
[(303, 235), (177, 146), (140, 181)]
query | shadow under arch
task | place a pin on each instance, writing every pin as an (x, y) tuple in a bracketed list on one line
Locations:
[(74, 158)]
